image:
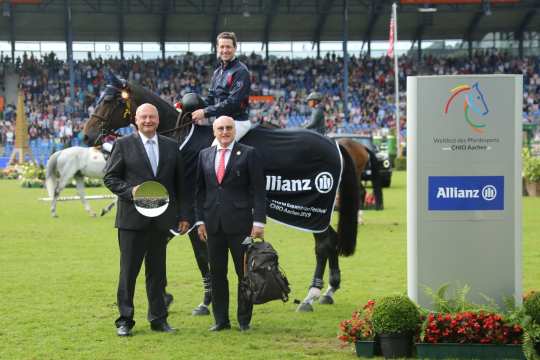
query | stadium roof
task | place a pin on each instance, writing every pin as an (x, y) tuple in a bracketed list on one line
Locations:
[(260, 20)]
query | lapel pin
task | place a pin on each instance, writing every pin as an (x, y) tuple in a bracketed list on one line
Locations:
[(238, 152)]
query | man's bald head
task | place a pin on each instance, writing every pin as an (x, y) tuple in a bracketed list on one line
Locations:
[(147, 119), (224, 130)]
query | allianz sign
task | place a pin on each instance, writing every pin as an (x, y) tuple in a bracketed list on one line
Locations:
[(465, 193)]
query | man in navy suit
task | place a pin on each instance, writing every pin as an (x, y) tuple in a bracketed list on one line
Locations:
[(230, 205), (139, 157)]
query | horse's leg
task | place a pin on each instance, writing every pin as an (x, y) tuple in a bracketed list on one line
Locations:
[(60, 185), (200, 250), (334, 278), (314, 292), (79, 181), (362, 191), (53, 202), (108, 208)]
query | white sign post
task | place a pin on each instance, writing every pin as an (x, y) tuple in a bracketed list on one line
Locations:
[(464, 184)]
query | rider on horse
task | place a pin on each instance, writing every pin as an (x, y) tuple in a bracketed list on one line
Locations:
[(229, 89), (317, 123)]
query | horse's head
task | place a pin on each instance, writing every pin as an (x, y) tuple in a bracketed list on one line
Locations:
[(114, 109), (477, 101)]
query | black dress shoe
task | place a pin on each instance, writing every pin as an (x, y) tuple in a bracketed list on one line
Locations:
[(219, 327), (162, 327), (244, 327), (123, 330)]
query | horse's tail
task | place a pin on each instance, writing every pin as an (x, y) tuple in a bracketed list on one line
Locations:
[(376, 181), (51, 179), (349, 202)]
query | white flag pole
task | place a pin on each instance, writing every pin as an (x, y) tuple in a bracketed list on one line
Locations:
[(396, 80)]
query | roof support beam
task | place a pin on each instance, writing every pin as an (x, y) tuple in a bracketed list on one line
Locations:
[(68, 31), (471, 28), (345, 60), (165, 5), (522, 27), (11, 29), (215, 25), (273, 6), (120, 18), (374, 12), (321, 21)]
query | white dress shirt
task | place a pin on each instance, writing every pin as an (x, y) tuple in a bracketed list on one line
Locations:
[(155, 145)]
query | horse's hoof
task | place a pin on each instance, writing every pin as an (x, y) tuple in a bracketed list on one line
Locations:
[(326, 300), (201, 310), (102, 213), (54, 215), (304, 307)]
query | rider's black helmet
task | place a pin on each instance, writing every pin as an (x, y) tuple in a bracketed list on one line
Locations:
[(191, 102)]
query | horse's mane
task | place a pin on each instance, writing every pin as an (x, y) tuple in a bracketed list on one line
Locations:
[(167, 112)]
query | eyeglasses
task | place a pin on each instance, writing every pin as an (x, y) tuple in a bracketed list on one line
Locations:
[(223, 128)]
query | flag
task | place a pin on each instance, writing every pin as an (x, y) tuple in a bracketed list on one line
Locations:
[(390, 52)]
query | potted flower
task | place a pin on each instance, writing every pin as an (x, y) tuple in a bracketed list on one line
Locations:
[(460, 329), (395, 320), (359, 330), (531, 172), (531, 338), (482, 335)]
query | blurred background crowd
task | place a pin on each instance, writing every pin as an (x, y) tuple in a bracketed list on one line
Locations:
[(55, 120)]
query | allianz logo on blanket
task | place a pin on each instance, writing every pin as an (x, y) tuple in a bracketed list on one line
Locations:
[(323, 183)]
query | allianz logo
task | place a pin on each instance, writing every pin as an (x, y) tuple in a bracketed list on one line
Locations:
[(488, 193), (323, 183)]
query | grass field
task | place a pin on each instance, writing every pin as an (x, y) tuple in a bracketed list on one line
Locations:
[(58, 284)]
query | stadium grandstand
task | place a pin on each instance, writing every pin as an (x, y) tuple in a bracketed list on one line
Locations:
[(59, 53)]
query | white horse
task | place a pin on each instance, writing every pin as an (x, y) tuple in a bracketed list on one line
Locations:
[(74, 162)]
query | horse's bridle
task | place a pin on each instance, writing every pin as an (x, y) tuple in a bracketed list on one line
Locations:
[(104, 131)]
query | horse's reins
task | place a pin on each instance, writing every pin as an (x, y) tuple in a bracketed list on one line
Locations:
[(103, 131)]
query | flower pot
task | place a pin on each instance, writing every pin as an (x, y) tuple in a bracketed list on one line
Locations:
[(533, 189), (365, 349), (469, 351), (396, 345)]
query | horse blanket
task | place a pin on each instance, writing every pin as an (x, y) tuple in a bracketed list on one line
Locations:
[(302, 169)]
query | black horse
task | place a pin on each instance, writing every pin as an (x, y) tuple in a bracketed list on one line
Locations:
[(116, 109)]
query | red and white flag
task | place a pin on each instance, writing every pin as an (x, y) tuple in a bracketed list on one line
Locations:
[(390, 52)]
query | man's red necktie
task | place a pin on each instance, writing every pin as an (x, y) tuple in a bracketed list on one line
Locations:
[(221, 166)]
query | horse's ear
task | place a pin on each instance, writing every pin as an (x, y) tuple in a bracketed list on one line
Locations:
[(116, 81)]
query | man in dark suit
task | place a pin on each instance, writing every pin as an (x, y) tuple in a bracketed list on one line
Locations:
[(230, 205), (137, 158)]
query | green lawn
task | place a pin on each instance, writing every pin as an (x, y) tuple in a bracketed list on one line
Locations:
[(58, 284)]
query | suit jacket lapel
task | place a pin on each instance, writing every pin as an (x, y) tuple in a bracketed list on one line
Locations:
[(162, 153), (232, 161), (212, 162), (142, 152)]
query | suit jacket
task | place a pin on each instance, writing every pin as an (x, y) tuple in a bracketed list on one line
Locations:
[(129, 166), (239, 200)]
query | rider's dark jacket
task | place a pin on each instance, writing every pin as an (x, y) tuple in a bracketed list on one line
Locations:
[(317, 122), (229, 91)]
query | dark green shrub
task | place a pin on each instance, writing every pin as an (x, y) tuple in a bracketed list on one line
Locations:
[(395, 314), (532, 306)]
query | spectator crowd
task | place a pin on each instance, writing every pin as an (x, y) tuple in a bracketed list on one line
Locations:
[(55, 120)]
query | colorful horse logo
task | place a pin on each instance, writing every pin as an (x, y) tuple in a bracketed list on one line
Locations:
[(474, 100)]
